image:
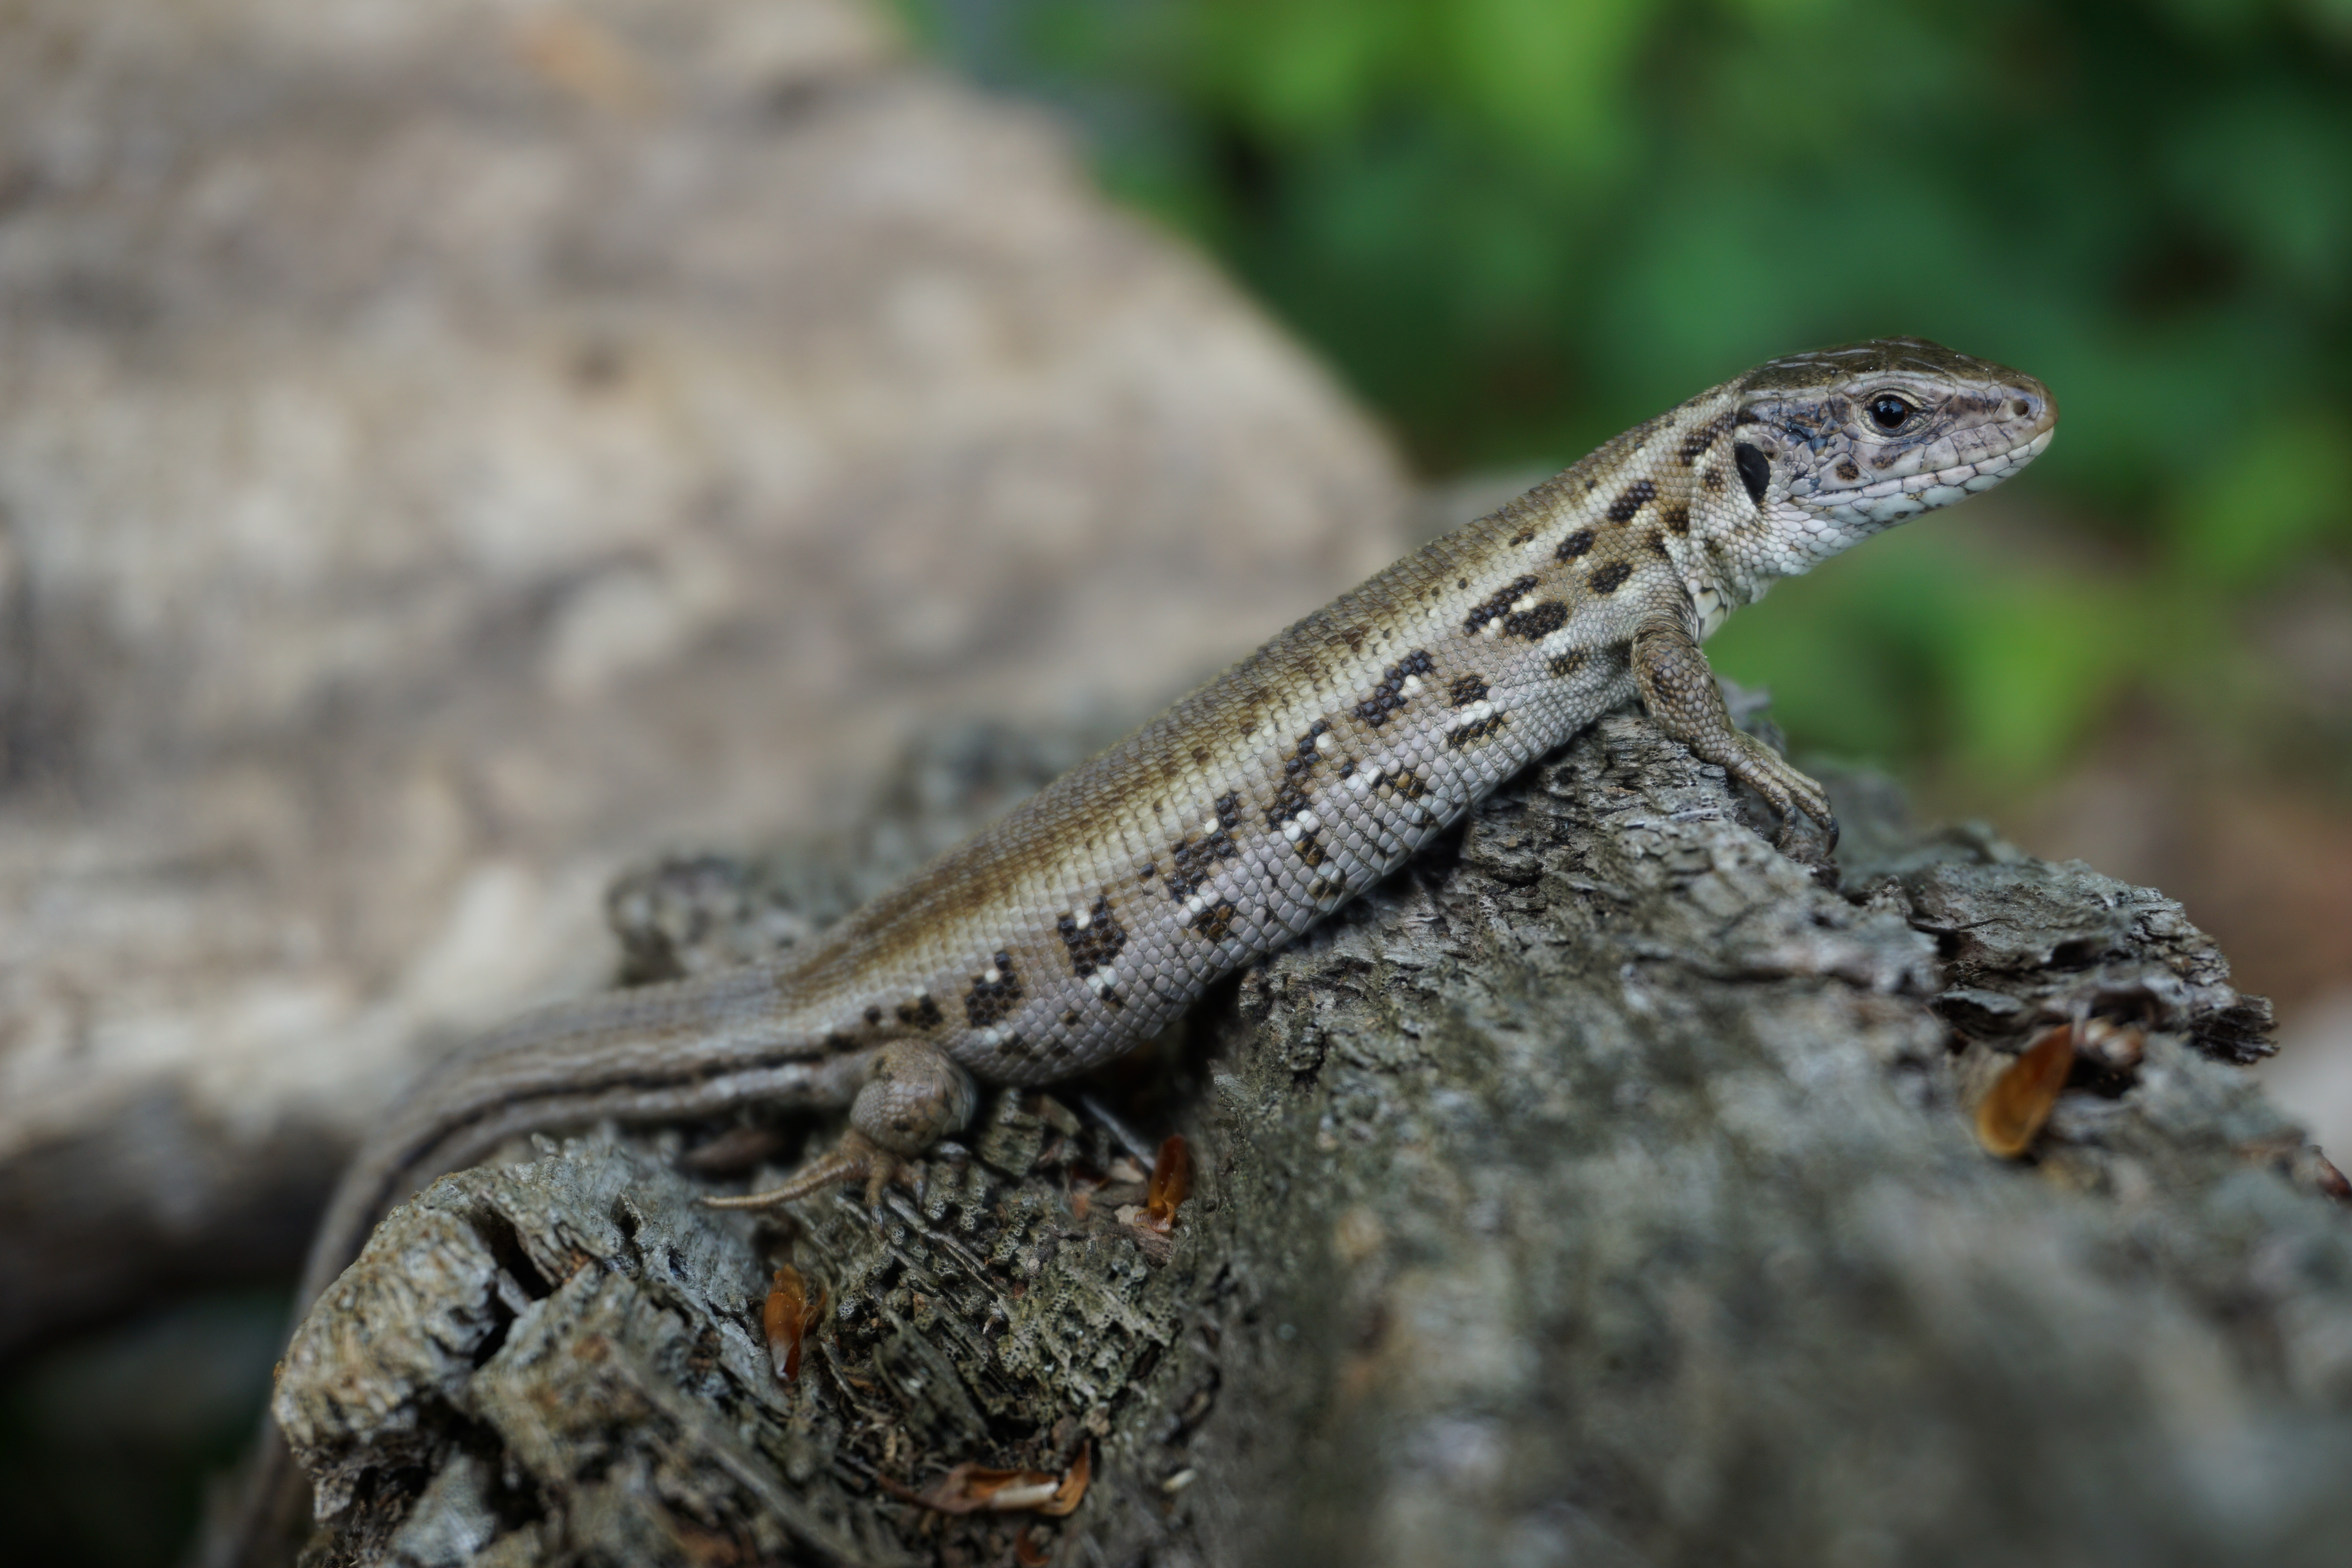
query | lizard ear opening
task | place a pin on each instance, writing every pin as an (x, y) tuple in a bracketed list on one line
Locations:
[(1754, 471)]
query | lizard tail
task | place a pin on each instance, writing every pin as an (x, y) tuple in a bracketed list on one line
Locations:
[(648, 1054)]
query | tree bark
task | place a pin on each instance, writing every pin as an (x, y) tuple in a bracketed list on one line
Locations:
[(1600, 1189)]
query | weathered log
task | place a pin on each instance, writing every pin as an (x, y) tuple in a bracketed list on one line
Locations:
[(1601, 1189)]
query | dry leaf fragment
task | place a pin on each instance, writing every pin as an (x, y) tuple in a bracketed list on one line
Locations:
[(788, 1317), (1172, 1183), (2011, 1115), (1072, 1489), (1027, 1552), (980, 1489), (2330, 1180)]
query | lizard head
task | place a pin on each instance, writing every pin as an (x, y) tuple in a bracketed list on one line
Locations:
[(1833, 445)]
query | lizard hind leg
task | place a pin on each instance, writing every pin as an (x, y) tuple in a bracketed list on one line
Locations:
[(913, 1097)]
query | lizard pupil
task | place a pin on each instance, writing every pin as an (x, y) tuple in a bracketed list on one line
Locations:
[(1888, 412)]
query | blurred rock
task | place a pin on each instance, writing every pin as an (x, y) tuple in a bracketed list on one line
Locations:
[(450, 451)]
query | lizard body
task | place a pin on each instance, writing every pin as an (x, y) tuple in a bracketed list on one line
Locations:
[(1094, 913)]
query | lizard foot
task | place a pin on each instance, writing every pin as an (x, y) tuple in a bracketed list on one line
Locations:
[(913, 1097), (1790, 793)]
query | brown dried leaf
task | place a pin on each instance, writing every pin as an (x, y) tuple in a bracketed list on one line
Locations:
[(975, 1489), (1027, 1552), (1072, 1489), (980, 1489), (1171, 1183), (2329, 1180), (789, 1315), (2011, 1115)]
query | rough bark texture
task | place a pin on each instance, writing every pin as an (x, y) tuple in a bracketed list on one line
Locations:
[(1601, 1190)]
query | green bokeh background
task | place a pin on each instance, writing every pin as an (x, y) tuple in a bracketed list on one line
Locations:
[(1515, 227)]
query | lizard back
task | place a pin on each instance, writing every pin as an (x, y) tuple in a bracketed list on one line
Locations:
[(1094, 913)]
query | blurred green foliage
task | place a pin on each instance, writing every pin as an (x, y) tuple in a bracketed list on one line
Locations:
[(1518, 226)]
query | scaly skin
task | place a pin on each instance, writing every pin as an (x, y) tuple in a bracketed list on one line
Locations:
[(1094, 914)]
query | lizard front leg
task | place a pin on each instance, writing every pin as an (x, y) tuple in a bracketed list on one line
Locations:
[(1680, 692), (913, 1097)]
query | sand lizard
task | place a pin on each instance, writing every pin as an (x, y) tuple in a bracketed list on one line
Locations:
[(1096, 912)]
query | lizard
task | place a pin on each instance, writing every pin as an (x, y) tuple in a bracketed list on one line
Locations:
[(1093, 914)]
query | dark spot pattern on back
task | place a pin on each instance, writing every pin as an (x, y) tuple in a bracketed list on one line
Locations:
[(922, 1013), (1611, 577), (1657, 542), (1217, 922), (1389, 695), (1712, 479), (1466, 733), (1523, 536), (992, 1000), (1094, 944), (1638, 494), (873, 1016), (1694, 445), (1290, 796), (1847, 471), (1500, 603), (1677, 518), (1537, 621), (1467, 689), (1193, 859), (1566, 663), (1574, 545)]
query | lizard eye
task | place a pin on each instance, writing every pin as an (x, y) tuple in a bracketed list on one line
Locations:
[(1888, 412)]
